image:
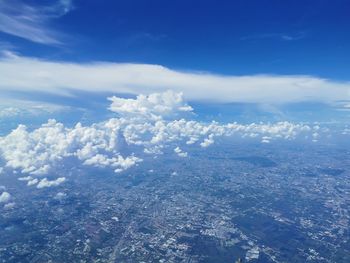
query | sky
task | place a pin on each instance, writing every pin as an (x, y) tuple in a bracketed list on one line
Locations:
[(266, 52), (225, 37), (107, 83)]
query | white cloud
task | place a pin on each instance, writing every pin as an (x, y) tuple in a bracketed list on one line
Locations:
[(29, 179), (179, 152), (9, 112), (26, 178), (121, 163), (60, 196), (265, 139), (146, 131), (32, 182), (47, 183), (152, 106), (31, 22), (276, 36), (5, 197), (208, 141), (10, 108), (9, 205), (31, 74), (38, 151)]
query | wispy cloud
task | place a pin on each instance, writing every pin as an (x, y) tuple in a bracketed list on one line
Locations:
[(276, 36), (31, 22), (32, 74)]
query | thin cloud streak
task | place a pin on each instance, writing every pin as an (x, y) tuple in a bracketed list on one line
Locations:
[(31, 23), (277, 36)]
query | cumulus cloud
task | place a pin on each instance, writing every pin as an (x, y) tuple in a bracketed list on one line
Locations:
[(32, 182), (44, 183), (29, 179), (5, 197), (60, 196), (9, 205), (265, 139), (32, 74), (38, 151), (143, 127), (153, 106), (179, 152), (208, 141)]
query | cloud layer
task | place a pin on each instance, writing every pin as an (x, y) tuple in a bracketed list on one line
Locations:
[(31, 74), (144, 127)]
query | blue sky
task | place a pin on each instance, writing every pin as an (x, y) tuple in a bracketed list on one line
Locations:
[(87, 78), (225, 37), (263, 52)]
